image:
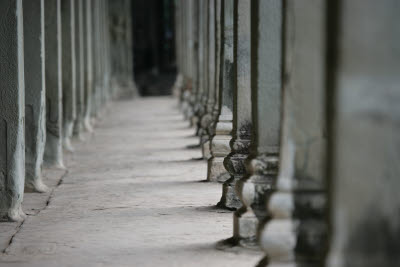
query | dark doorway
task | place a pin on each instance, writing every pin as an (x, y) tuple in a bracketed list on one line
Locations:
[(154, 46)]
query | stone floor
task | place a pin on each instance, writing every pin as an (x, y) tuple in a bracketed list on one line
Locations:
[(134, 195)]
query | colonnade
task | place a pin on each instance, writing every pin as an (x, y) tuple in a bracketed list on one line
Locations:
[(61, 62), (296, 105)]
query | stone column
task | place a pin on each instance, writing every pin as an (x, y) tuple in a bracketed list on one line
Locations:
[(107, 52), (199, 108), (35, 117), (203, 53), (53, 155), (129, 49), (217, 92), (178, 50), (88, 35), (187, 72), (223, 130), (80, 69), (242, 124), (97, 61), (12, 111), (68, 71), (296, 232), (364, 156), (194, 60), (262, 165), (207, 119)]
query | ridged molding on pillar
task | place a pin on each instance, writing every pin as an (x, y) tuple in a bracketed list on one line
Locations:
[(12, 111), (223, 130), (35, 117), (297, 230), (255, 188), (242, 124)]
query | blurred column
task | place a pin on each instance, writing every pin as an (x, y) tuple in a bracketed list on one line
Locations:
[(12, 111), (35, 117), (297, 230), (68, 71), (53, 155), (365, 141)]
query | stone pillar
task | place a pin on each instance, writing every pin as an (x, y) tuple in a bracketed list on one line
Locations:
[(88, 35), (187, 72), (194, 60), (296, 231), (68, 71), (199, 108), (97, 61), (242, 124), (129, 49), (203, 63), (80, 69), (223, 130), (53, 155), (35, 117), (107, 52), (207, 119), (364, 156), (262, 165), (178, 50), (12, 111), (218, 56)]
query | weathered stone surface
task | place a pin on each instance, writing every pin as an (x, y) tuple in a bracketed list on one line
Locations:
[(242, 125), (365, 141), (104, 213), (34, 72), (89, 68), (208, 117), (53, 154), (12, 111), (223, 129), (256, 187), (69, 69), (80, 69), (297, 231)]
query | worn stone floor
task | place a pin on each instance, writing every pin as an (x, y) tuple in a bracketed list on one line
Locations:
[(134, 195)]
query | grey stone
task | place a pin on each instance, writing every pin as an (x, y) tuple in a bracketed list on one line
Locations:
[(53, 154), (12, 111), (262, 166), (34, 71), (80, 69), (69, 69), (89, 74), (242, 124), (364, 164), (297, 230), (223, 129)]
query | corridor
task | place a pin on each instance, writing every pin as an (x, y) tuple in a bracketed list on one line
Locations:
[(134, 195)]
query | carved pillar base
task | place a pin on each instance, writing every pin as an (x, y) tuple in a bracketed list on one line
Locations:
[(234, 163), (53, 153), (68, 133), (254, 193), (219, 150)]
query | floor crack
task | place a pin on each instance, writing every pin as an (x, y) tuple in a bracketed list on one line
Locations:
[(19, 227)]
